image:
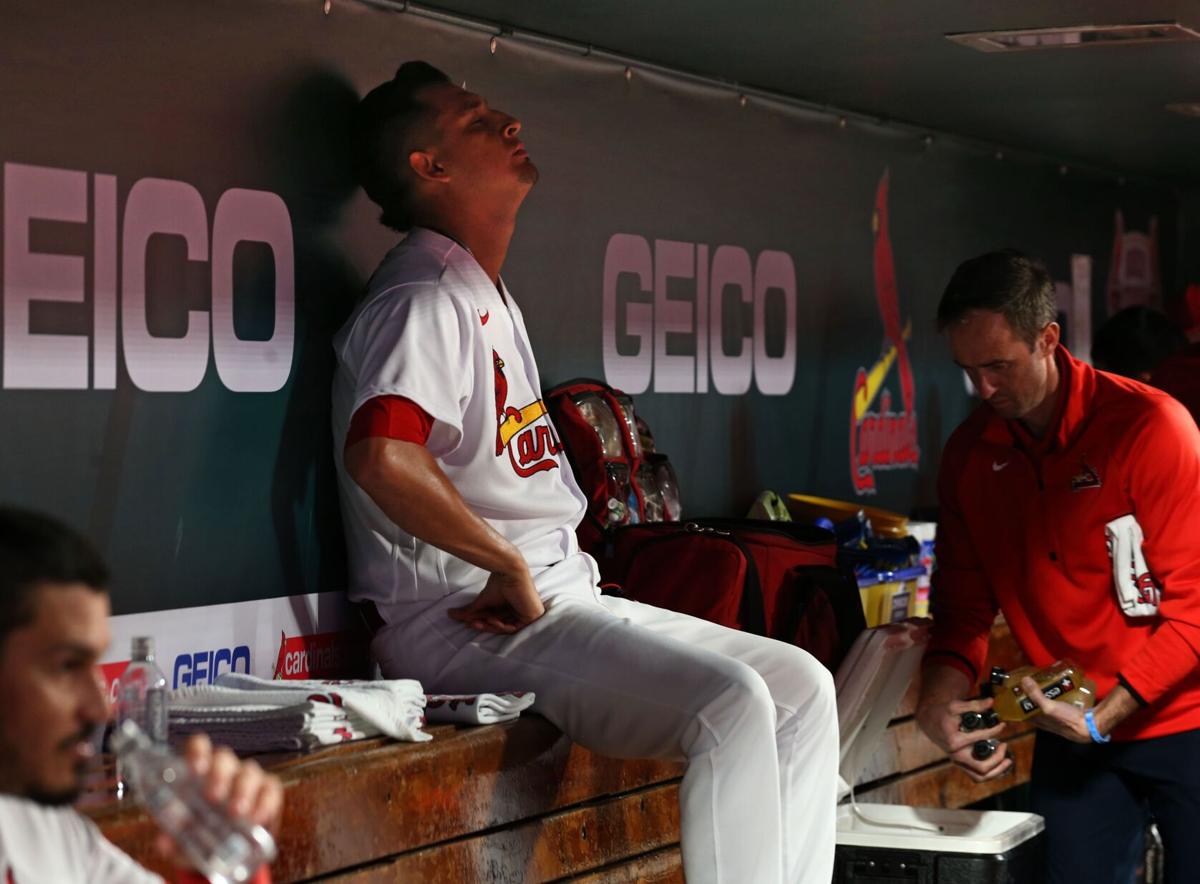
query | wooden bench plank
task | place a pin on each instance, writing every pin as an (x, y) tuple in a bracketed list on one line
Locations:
[(945, 785), (659, 867), (347, 808), (564, 844), (904, 747)]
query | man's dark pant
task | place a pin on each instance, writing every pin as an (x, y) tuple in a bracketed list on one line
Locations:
[(1097, 800)]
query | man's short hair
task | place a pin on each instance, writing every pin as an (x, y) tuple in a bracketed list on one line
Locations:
[(380, 128), (1007, 282), (1135, 340), (37, 550)]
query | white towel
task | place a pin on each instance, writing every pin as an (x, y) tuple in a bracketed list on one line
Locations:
[(477, 708), (392, 706), (1137, 593), (255, 715), (247, 728)]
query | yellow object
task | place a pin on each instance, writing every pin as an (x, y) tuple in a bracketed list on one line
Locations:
[(769, 505), (888, 602), (875, 377), (514, 423), (1062, 681), (806, 508)]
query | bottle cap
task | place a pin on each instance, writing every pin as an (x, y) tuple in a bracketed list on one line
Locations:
[(143, 647)]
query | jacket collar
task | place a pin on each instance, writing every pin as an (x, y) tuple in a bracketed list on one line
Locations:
[(1076, 390)]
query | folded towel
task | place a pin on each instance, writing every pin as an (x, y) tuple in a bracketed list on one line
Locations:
[(255, 715), (245, 728), (477, 708), (1137, 592), (392, 706)]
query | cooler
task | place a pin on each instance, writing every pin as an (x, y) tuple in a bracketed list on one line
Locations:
[(890, 844)]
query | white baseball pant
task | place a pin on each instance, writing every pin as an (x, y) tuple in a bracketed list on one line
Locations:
[(754, 718)]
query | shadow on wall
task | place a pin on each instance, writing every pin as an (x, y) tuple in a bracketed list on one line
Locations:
[(931, 450), (305, 144)]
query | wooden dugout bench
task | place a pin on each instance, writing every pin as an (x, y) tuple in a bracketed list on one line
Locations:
[(519, 802)]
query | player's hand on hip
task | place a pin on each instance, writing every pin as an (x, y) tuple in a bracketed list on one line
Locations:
[(507, 603), (1062, 719), (942, 723)]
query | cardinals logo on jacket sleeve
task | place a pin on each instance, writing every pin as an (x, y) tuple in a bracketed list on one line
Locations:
[(525, 433)]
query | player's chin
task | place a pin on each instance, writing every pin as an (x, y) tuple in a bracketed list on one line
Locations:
[(59, 790), (528, 173), (1004, 408)]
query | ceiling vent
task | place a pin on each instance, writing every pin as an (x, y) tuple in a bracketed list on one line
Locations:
[(1075, 36)]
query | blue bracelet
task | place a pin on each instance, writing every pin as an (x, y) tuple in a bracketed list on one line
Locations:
[(1090, 720)]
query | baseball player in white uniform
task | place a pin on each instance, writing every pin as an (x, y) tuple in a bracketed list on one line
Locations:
[(460, 510)]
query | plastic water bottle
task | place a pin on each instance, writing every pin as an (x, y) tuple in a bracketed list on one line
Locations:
[(142, 692), (222, 848), (142, 698)]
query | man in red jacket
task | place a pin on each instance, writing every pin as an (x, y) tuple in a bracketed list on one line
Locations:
[(1029, 482)]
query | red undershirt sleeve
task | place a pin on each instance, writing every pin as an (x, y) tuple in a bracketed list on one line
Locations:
[(389, 417), (1165, 489)]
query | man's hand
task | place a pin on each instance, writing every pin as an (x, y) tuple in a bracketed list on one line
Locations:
[(1067, 721), (507, 603), (939, 715), (942, 723), (242, 787)]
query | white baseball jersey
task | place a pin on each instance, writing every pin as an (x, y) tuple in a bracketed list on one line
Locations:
[(434, 329), (40, 844)]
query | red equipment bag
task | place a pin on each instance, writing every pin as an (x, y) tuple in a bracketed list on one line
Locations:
[(777, 579), (612, 453)]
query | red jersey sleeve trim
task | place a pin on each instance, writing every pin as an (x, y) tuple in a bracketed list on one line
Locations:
[(389, 417)]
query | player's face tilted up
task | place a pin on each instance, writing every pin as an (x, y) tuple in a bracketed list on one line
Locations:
[(469, 152)]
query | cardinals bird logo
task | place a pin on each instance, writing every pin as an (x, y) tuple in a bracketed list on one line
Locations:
[(884, 439), (525, 433)]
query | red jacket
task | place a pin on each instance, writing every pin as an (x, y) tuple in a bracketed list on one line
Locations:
[(1022, 531)]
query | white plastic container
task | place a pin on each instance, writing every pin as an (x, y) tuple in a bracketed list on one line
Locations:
[(921, 845)]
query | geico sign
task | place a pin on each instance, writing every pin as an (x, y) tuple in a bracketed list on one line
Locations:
[(642, 288), (153, 207)]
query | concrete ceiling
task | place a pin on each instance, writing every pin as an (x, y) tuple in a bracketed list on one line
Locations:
[(1102, 106)]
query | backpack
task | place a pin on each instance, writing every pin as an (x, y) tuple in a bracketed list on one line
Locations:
[(612, 454)]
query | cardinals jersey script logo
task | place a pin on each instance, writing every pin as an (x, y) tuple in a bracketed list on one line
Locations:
[(525, 433)]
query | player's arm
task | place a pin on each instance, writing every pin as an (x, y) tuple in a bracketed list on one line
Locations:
[(406, 483), (1164, 484), (964, 610)]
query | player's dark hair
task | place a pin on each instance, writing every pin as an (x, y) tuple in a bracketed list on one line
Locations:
[(37, 550), (1006, 282), (380, 128), (1135, 340)]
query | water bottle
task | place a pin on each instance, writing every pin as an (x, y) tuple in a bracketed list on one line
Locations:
[(142, 698), (222, 848)]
